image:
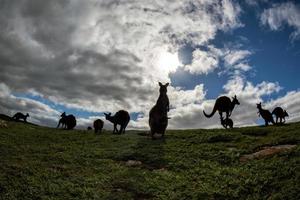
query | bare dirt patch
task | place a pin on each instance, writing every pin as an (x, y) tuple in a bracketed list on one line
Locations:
[(267, 151)]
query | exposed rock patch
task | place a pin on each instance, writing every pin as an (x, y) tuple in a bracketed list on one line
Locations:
[(267, 151), (3, 124), (133, 163)]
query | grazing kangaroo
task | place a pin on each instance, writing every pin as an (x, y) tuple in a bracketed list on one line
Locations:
[(67, 121), (223, 104), (227, 122), (19, 116), (265, 114), (280, 114), (98, 125), (158, 115), (121, 117)]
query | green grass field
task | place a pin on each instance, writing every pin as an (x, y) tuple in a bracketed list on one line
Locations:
[(46, 163)]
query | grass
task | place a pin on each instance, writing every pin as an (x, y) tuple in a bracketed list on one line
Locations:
[(45, 163)]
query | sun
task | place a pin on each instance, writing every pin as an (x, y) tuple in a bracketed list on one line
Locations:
[(168, 61)]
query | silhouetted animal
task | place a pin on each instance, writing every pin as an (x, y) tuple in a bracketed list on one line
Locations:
[(67, 121), (158, 115), (62, 122), (98, 125), (19, 116), (265, 114), (280, 114), (121, 118), (227, 122), (89, 128), (223, 104)]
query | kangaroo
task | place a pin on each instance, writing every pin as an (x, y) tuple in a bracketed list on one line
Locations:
[(19, 116), (158, 115), (62, 122), (280, 114), (98, 125), (121, 117), (265, 114), (223, 104), (227, 122), (67, 121)]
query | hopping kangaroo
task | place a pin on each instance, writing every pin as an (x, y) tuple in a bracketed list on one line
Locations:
[(121, 117), (265, 114), (19, 116), (98, 125), (67, 121), (227, 122), (223, 104), (280, 114), (158, 115)]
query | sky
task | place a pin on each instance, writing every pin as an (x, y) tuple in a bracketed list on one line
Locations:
[(95, 56)]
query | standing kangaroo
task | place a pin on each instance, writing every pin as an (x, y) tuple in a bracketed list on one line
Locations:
[(67, 121), (265, 114), (227, 122), (223, 104), (280, 114), (98, 125), (121, 117), (158, 115), (19, 116)]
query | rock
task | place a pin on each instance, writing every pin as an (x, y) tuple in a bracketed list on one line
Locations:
[(267, 151), (3, 124), (133, 163)]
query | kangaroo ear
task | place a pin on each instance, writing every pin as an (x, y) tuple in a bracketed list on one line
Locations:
[(159, 83), (167, 84), (235, 96)]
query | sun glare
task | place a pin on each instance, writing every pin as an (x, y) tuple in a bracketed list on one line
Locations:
[(168, 61)]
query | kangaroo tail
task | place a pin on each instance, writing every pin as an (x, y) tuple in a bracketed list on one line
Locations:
[(212, 113)]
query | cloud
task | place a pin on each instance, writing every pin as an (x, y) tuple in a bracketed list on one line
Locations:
[(283, 14), (98, 55), (39, 113), (203, 62), (237, 59)]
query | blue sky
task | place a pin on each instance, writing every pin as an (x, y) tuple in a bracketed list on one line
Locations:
[(110, 56), (276, 57)]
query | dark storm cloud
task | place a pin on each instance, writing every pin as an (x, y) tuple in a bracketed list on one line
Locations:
[(37, 53)]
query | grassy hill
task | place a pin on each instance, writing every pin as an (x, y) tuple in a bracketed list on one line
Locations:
[(44, 163)]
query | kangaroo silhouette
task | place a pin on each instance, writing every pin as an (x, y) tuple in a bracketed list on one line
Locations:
[(19, 116), (121, 118), (227, 122), (158, 115), (265, 114), (67, 121), (98, 125), (223, 104), (280, 114)]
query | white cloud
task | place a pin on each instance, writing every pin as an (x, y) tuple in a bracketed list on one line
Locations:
[(39, 113), (203, 62), (102, 55), (280, 14), (237, 59)]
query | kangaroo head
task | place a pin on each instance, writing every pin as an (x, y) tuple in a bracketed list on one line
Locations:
[(107, 115), (63, 114), (27, 115), (163, 88), (258, 105), (285, 113), (235, 100)]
